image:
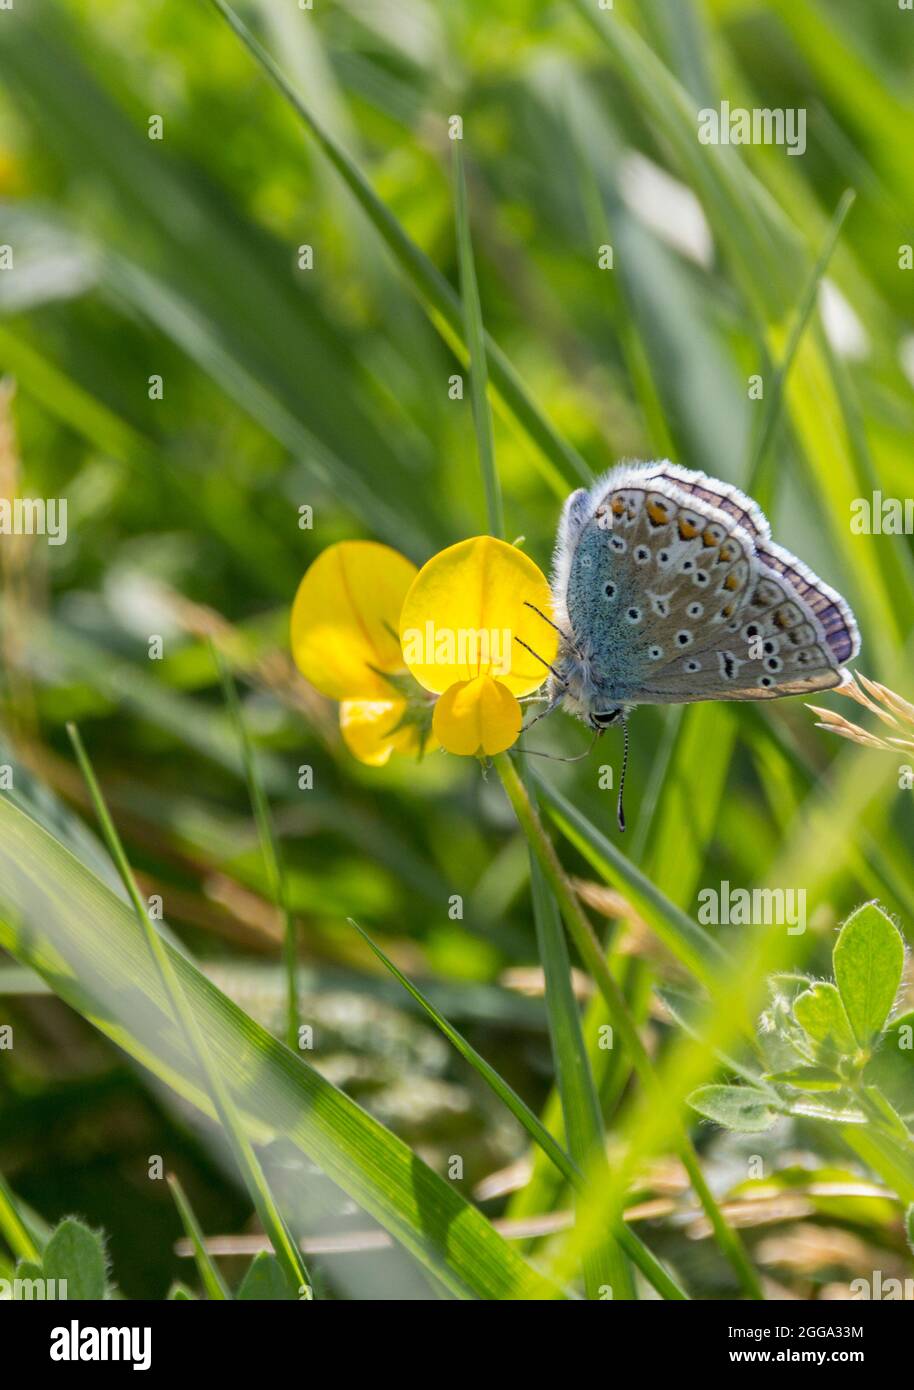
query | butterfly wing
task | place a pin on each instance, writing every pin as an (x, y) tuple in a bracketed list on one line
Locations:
[(713, 492), (682, 599)]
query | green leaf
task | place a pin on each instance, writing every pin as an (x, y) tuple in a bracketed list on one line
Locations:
[(77, 1255), (58, 918), (180, 1293), (265, 1281), (807, 1079), (741, 1108), (821, 1014), (868, 963), (909, 1226)]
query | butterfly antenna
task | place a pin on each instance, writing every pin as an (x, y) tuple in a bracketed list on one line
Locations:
[(546, 619), (542, 659), (620, 809)]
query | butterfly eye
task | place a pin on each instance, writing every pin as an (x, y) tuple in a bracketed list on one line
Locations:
[(695, 610), (642, 553), (655, 653), (766, 681), (634, 615), (610, 590), (693, 666), (683, 638)]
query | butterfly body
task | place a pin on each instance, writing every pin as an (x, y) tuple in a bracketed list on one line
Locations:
[(668, 589)]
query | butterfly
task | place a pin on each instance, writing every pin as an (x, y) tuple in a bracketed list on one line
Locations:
[(667, 588)]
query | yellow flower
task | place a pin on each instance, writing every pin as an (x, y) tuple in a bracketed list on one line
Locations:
[(373, 729), (469, 628), (344, 641), (477, 716)]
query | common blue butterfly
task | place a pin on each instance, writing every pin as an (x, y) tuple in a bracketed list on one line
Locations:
[(667, 589)]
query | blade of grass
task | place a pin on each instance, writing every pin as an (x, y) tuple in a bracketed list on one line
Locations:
[(210, 1277), (574, 1079), (584, 937), (698, 951), (652, 1269), (605, 1266), (430, 285), (474, 334), (521, 1111), (269, 847), (766, 254), (760, 481), (15, 1232), (283, 1243), (60, 919)]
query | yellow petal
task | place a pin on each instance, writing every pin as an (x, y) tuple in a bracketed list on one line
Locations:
[(465, 609), (477, 716), (367, 725), (345, 619)]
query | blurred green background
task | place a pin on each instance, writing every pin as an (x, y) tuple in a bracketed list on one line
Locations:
[(178, 258)]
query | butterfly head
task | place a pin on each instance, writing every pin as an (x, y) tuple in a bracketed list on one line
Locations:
[(575, 686)]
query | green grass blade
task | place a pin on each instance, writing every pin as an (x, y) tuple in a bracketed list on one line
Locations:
[(283, 1242), (760, 481), (650, 1266), (697, 950), (58, 918), (584, 937), (13, 1228), (519, 1109), (580, 1105), (474, 334), (213, 1283), (269, 848), (432, 288)]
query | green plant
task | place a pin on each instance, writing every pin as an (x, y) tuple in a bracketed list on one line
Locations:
[(832, 1050)]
